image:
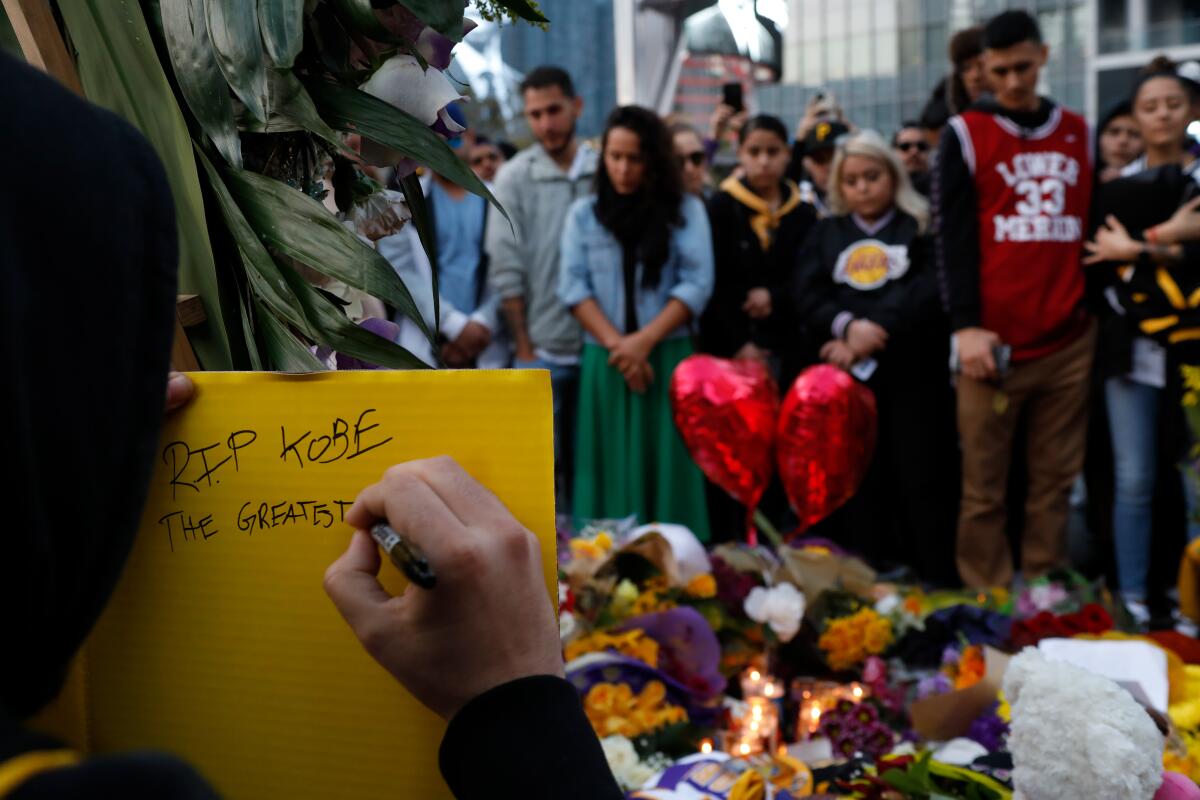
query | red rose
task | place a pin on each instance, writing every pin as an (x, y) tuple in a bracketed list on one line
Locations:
[(1045, 625), (1022, 636), (1096, 619), (1073, 624)]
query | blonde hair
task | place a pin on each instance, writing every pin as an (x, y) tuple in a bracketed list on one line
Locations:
[(870, 144)]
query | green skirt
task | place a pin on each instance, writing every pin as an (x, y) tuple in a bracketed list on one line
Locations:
[(629, 457)]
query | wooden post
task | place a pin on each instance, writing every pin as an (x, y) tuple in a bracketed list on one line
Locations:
[(189, 311), (42, 44)]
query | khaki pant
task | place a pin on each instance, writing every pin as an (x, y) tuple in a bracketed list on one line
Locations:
[(1052, 392)]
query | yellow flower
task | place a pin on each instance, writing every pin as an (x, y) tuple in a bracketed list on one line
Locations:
[(1004, 710), (1191, 376), (614, 709), (624, 597), (599, 699), (702, 586), (848, 640), (652, 694)]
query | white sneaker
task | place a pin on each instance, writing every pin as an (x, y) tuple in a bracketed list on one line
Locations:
[(1184, 625), (1139, 611)]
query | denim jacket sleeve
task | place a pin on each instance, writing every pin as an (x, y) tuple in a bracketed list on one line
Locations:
[(694, 243), (574, 279)]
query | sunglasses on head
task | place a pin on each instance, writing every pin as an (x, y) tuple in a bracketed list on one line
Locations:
[(906, 146), (696, 159)]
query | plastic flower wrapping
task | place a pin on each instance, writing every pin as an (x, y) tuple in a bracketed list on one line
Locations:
[(671, 646)]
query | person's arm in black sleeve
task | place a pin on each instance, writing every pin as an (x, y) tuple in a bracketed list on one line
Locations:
[(913, 299), (528, 738), (956, 233), (815, 294)]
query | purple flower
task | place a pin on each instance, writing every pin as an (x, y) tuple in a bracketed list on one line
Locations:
[(937, 683), (951, 655), (989, 730), (689, 649)]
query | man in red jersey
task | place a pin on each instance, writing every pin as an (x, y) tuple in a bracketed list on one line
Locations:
[(1011, 193)]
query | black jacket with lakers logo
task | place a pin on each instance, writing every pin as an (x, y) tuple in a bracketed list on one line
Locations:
[(882, 272)]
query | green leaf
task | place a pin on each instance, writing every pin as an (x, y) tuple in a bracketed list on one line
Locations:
[(256, 363), (523, 9), (292, 110), (233, 26), (360, 16), (282, 23), (120, 70), (444, 16), (285, 352), (266, 279), (331, 326), (355, 111), (414, 197), (298, 226), (906, 782), (194, 62)]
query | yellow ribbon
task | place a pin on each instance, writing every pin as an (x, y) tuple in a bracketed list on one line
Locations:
[(19, 769), (765, 219)]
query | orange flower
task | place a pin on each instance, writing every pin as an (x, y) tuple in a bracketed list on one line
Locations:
[(702, 586), (970, 667), (614, 709)]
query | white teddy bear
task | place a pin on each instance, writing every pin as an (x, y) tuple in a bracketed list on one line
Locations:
[(1078, 736)]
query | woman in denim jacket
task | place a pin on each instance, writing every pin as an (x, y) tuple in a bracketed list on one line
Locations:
[(637, 269)]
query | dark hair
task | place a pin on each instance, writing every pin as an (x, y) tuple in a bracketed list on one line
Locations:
[(643, 220), (907, 124), (763, 122), (546, 76), (507, 148), (936, 112), (1162, 67), (1121, 109), (965, 45), (1009, 29)]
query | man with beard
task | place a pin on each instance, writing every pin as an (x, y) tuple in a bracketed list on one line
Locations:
[(536, 188)]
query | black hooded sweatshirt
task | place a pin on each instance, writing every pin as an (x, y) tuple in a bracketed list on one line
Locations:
[(87, 224)]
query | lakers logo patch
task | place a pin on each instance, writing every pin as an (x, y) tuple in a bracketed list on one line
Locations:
[(869, 263)]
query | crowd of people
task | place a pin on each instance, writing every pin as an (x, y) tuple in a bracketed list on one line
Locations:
[(989, 317), (968, 269)]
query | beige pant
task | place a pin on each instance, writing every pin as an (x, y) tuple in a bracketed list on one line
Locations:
[(1052, 392)]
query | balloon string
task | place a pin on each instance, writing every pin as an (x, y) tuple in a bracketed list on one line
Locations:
[(764, 525)]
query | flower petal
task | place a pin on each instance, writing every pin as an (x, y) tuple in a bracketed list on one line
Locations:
[(423, 93)]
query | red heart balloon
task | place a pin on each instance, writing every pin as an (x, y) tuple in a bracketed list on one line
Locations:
[(726, 412), (825, 441)]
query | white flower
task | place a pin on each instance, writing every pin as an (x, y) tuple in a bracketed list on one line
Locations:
[(623, 760), (423, 93), (885, 605), (781, 607), (567, 625)]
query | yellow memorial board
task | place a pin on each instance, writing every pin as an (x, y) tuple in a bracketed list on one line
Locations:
[(220, 645)]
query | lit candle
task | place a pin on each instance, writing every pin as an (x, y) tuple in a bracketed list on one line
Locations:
[(744, 749), (706, 746)]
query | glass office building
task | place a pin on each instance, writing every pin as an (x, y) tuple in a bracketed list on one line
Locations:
[(882, 58), (581, 42)]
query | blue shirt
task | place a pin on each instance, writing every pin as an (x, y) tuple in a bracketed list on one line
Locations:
[(459, 230), (592, 267)]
